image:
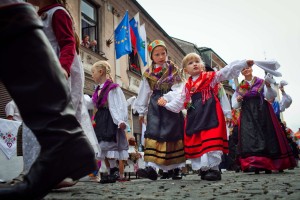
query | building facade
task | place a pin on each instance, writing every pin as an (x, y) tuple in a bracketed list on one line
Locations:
[(211, 58), (98, 19)]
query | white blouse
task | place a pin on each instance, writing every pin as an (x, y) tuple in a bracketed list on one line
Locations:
[(230, 71), (117, 105), (269, 93), (285, 102)]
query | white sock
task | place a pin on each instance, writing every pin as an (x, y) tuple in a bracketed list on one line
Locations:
[(216, 168), (112, 163)]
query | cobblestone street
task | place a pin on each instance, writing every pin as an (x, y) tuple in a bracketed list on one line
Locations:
[(232, 186)]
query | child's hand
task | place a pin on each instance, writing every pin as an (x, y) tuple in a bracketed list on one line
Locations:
[(161, 101), (250, 63), (122, 126), (141, 119)]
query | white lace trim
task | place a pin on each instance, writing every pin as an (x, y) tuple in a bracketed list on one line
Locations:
[(118, 155), (207, 161), (164, 167)]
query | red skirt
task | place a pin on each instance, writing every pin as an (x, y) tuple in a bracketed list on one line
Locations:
[(214, 139)]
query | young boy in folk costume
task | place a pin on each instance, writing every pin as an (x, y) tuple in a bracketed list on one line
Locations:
[(205, 138), (111, 118), (161, 83)]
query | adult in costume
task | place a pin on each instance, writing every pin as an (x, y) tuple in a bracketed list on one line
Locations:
[(47, 108), (262, 143)]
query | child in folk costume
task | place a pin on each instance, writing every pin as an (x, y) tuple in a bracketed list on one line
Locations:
[(59, 29), (205, 138), (226, 108), (161, 83), (262, 143), (111, 118)]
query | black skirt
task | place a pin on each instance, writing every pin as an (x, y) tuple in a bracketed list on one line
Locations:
[(257, 133), (162, 124), (105, 129), (201, 116)]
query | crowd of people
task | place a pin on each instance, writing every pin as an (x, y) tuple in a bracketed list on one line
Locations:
[(184, 119)]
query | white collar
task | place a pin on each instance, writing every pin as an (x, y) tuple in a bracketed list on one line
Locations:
[(194, 78)]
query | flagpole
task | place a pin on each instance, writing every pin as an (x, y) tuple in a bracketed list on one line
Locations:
[(110, 41)]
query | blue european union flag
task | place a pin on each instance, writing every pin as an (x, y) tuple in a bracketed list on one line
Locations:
[(122, 37)]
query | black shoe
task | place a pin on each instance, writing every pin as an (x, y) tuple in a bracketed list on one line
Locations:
[(212, 175), (165, 175), (176, 175), (66, 162), (281, 171), (268, 171), (202, 174), (148, 172), (108, 179), (115, 172)]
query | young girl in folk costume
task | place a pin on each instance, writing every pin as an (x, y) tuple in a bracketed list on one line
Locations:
[(111, 118), (262, 143), (59, 29), (226, 108), (205, 138), (161, 83)]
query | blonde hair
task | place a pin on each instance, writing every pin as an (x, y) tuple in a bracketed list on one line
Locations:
[(189, 57), (103, 65)]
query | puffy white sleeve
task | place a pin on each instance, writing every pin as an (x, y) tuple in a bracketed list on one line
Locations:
[(225, 104), (117, 105), (235, 104), (142, 100), (175, 98), (9, 109), (230, 71), (130, 101), (88, 102), (285, 102), (269, 93)]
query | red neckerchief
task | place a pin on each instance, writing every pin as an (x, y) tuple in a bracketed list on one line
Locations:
[(202, 84)]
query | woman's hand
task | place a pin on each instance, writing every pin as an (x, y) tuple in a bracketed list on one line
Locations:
[(267, 84), (239, 98), (161, 101)]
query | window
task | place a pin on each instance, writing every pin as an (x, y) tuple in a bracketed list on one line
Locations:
[(89, 24), (134, 64)]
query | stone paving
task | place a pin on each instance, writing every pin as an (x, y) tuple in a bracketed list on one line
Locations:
[(232, 186)]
